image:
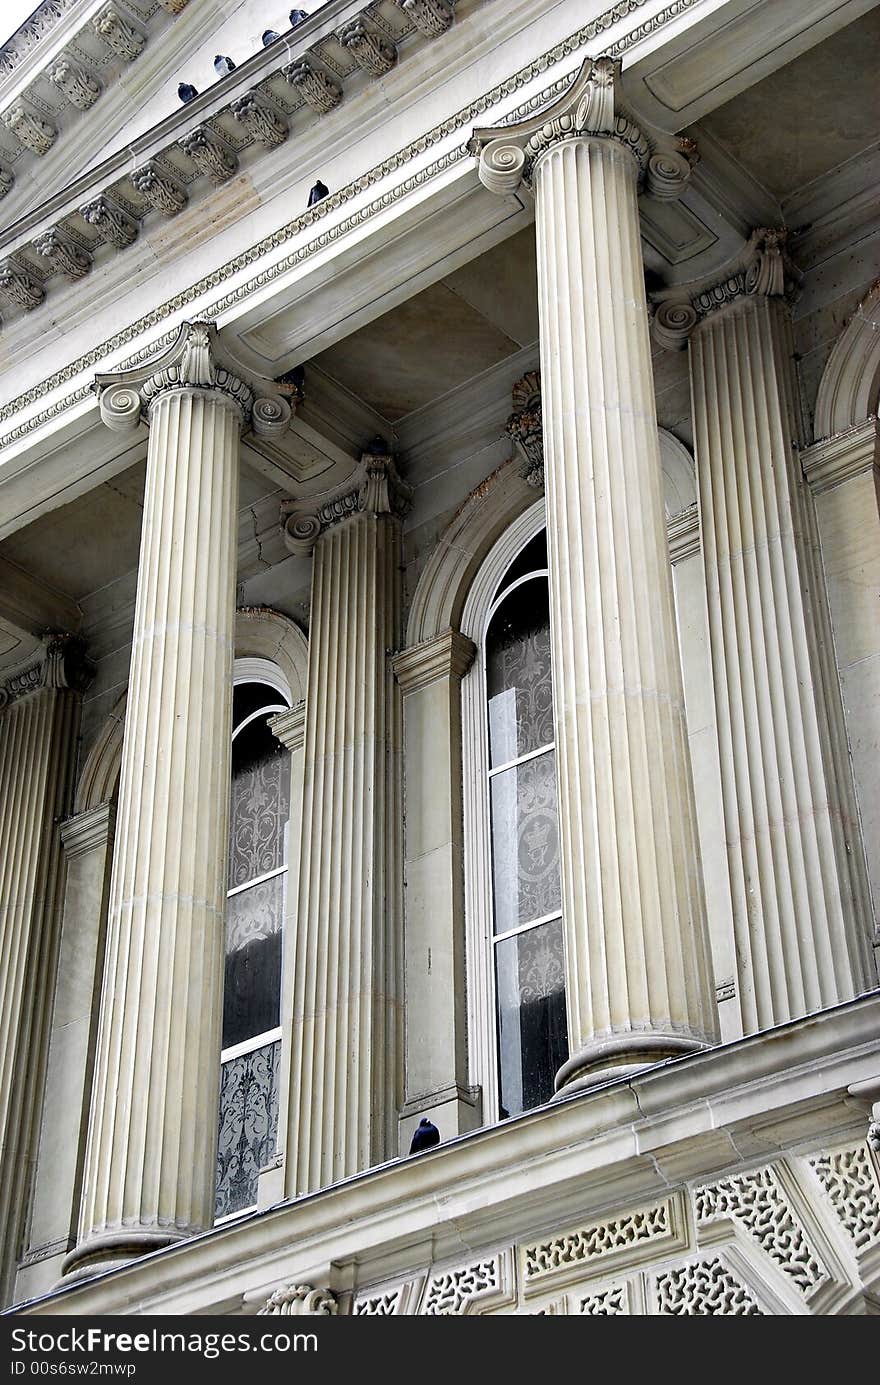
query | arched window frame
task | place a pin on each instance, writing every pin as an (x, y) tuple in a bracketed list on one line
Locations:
[(476, 615)]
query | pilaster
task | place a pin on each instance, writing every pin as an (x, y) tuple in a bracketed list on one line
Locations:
[(638, 984), (87, 843), (435, 1042), (39, 718), (344, 1081)]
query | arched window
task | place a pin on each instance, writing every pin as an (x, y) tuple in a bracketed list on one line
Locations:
[(515, 932), (255, 908)]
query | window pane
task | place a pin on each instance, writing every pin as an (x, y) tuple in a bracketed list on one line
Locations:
[(252, 989), (248, 697), (525, 842), (532, 559), (248, 1125), (532, 1037), (518, 674), (260, 804)]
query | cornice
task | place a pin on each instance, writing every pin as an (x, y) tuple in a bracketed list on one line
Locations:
[(88, 830), (832, 461), (290, 727), (315, 216), (203, 140), (74, 74), (683, 533), (448, 655)]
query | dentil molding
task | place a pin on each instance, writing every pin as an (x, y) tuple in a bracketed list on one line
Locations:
[(325, 209)]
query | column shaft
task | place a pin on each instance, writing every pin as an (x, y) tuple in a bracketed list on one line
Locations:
[(638, 981), (37, 741), (345, 1042), (798, 884), (150, 1167)]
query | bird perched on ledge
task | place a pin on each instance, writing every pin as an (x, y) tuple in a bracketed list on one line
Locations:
[(297, 17), (270, 36), (223, 66), (186, 92), (426, 1137), (318, 191)]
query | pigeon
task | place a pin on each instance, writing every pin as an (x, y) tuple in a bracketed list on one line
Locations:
[(318, 191), (297, 17), (425, 1137), (223, 66), (270, 36), (186, 92)]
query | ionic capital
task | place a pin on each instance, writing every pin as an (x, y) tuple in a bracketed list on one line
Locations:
[(508, 154), (373, 487), (763, 270), (61, 664), (194, 363)]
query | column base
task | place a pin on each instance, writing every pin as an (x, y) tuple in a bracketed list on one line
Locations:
[(112, 1249), (620, 1055)]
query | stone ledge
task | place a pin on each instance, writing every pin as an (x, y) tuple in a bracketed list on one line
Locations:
[(711, 1113)]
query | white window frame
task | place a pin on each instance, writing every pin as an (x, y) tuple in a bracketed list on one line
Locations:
[(479, 938)]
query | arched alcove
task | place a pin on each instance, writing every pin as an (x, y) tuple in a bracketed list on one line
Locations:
[(850, 384)]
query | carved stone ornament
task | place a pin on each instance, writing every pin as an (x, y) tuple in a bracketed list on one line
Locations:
[(299, 1300), (209, 154), (19, 286), (763, 269), (35, 134), (114, 226), (670, 169), (271, 416), (261, 123), (431, 17), (508, 153), (125, 41), (7, 178), (64, 257), (192, 362), (174, 7), (80, 87), (319, 90), (63, 664), (525, 426), (374, 487), (371, 53), (158, 190), (874, 1136)]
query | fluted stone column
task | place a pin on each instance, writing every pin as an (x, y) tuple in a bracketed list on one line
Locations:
[(797, 872), (150, 1165), (39, 720), (346, 1028), (637, 977)]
